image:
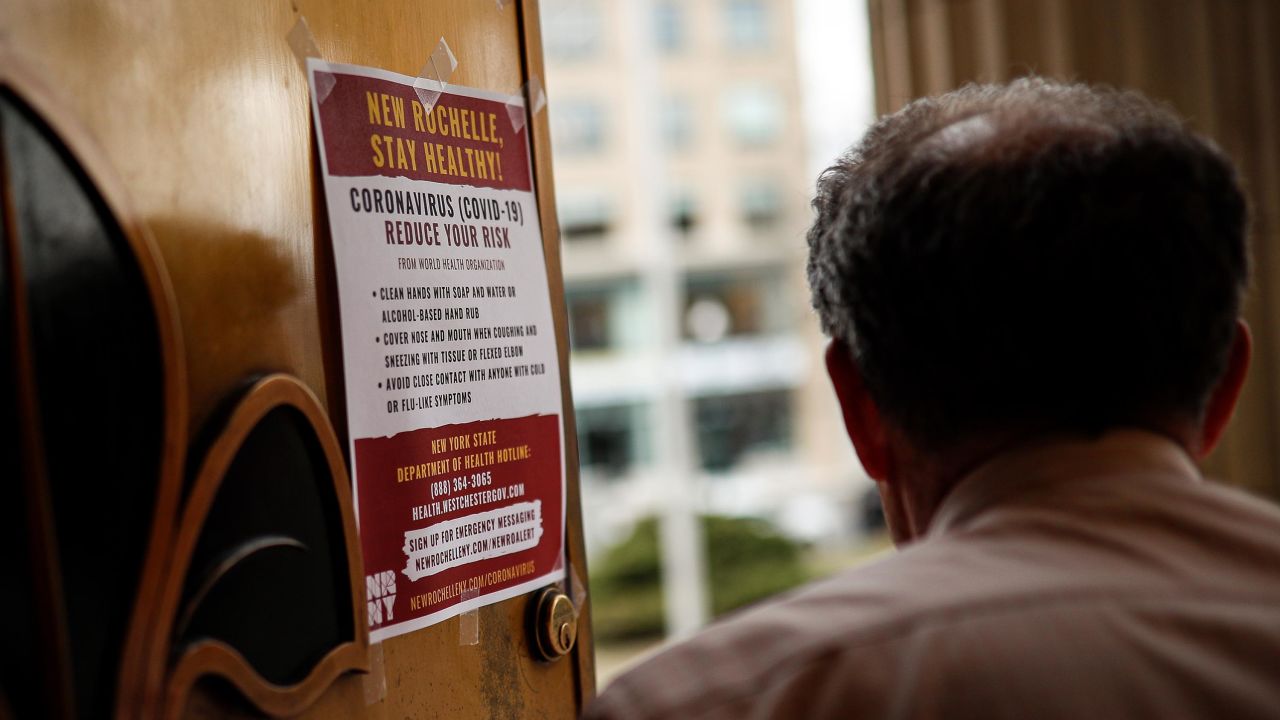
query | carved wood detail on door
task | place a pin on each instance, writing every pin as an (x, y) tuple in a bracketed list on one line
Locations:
[(134, 563)]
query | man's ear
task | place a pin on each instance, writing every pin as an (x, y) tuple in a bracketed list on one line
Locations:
[(861, 416), (1222, 401)]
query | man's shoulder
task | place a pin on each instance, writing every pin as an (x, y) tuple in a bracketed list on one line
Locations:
[(764, 648), (1010, 581)]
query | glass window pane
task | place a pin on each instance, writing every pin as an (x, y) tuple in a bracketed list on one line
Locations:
[(753, 114), (683, 212), (612, 439), (577, 126), (752, 303), (760, 203), (668, 25), (571, 29), (589, 326), (731, 428), (676, 118), (747, 24), (585, 215)]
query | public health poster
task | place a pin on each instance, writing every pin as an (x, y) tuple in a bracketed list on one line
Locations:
[(452, 381)]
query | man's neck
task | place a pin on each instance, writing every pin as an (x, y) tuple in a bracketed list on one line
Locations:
[(923, 481)]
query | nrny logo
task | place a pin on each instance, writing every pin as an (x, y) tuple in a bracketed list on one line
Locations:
[(381, 589)]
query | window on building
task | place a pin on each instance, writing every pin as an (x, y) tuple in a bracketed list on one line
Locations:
[(732, 427), (606, 314), (753, 114), (584, 216), (706, 319), (728, 304), (760, 203), (676, 118), (577, 126), (571, 29), (747, 24), (683, 212), (668, 25), (589, 319), (612, 439)]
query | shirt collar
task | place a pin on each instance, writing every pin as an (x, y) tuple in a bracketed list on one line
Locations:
[(1122, 452)]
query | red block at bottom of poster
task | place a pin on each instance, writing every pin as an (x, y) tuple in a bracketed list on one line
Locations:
[(452, 516)]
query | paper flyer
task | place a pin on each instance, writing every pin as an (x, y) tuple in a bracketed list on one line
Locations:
[(452, 377)]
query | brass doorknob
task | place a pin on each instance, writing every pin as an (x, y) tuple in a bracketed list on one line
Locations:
[(555, 624)]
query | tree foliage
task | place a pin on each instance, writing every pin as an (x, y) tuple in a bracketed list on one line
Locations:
[(747, 560)]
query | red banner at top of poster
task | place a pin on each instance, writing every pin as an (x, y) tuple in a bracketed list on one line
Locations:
[(380, 127)]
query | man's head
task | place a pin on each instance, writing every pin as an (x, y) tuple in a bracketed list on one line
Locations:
[(1031, 258)]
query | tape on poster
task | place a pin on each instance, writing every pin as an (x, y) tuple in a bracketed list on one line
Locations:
[(577, 590), (430, 83), (535, 99), (375, 683), (303, 44), (469, 621)]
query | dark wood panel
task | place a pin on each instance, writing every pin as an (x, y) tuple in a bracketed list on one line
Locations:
[(36, 664)]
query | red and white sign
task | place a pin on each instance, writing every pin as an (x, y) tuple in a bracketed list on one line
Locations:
[(452, 377)]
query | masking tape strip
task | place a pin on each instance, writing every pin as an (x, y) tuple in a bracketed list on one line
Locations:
[(577, 589), (303, 44), (469, 621), (375, 683), (535, 99), (430, 83), (536, 96)]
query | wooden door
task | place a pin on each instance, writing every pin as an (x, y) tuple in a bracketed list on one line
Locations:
[(174, 381)]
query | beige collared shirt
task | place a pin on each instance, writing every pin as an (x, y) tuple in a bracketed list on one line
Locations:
[(1099, 579)]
